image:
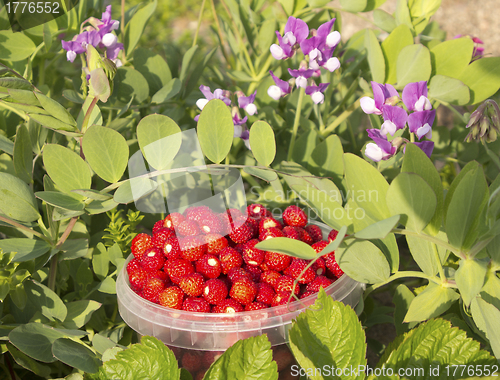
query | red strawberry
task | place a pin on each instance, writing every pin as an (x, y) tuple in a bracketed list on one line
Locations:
[(277, 261), (228, 306), (332, 265), (192, 284), (192, 248), (133, 265), (194, 213), (210, 357), (332, 235), (172, 297), (138, 279), (153, 260), (162, 276), (307, 293), (283, 357), (294, 216), (157, 226), (235, 214), (243, 291), (319, 266), (152, 289), (317, 283), (270, 233), (239, 247), (215, 243), (215, 291), (320, 245), (210, 224), (292, 232), (270, 276), (314, 232), (171, 248), (304, 236), (140, 244), (285, 285), (256, 306), (230, 258), (188, 228), (191, 360), (242, 233), (254, 223), (295, 269), (269, 222), (236, 274), (173, 220), (161, 236), (265, 293), (254, 272), (209, 266), (225, 223), (252, 255), (177, 268), (281, 299), (196, 304), (256, 211)]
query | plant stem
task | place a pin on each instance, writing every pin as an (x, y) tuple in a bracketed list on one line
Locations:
[(344, 115), (55, 258), (67, 231), (86, 119), (438, 261), (27, 229), (399, 275), (122, 24), (219, 31), (296, 123), (199, 24), (412, 137), (432, 239)]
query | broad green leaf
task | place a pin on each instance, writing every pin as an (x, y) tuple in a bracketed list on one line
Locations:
[(266, 35), (491, 289), (93, 194), (19, 83), (196, 73), (168, 91), (129, 83), (451, 57), (153, 67), (328, 334), (100, 261), (215, 130), (378, 230), (493, 250), (465, 208), (136, 25), (262, 142), (266, 175), (473, 165), (363, 261), (470, 277), (95, 115), (326, 159), (416, 161), (321, 3), (134, 189), (103, 344), (25, 361), (24, 96), (99, 207), (150, 359), (384, 21), (186, 62), (392, 46), (353, 5), (55, 109), (413, 65), (74, 249), (108, 286), (15, 46), (16, 199), (27, 249), (73, 96), (23, 156), (106, 152), (6, 164), (160, 139), (66, 168), (45, 300), (250, 359), (53, 123), (61, 200), (487, 318), (99, 86), (76, 355), (6, 145), (412, 197), (287, 246), (402, 299), (424, 253), (432, 302), (375, 56), (402, 14), (482, 78), (373, 4), (304, 147), (449, 90)]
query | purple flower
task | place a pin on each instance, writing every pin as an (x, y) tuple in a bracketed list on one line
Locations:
[(240, 131), (394, 118), (380, 149), (218, 94), (281, 51), (108, 24), (415, 96), (296, 31), (320, 48), (301, 76), (72, 49), (112, 52), (426, 146), (421, 122), (280, 89), (381, 93), (246, 102), (238, 122), (331, 39), (316, 92)]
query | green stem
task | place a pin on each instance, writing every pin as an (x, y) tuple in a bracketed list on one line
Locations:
[(412, 137), (67, 231), (219, 31), (344, 115), (24, 228), (479, 247), (319, 117), (261, 75), (199, 24), (53, 272), (399, 275), (296, 123), (438, 261), (432, 239), (86, 119)]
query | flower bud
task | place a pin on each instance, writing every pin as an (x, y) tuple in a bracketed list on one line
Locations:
[(484, 123)]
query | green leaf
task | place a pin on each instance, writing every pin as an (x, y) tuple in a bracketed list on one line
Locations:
[(373, 4), (423, 252), (99, 207), (399, 38), (62, 200), (66, 168), (186, 62), (15, 46), (464, 211), (129, 83), (353, 5), (23, 156), (99, 85), (134, 189), (328, 334), (106, 152), (449, 90), (488, 317), (473, 165), (75, 355), (413, 64), (378, 230), (482, 78), (159, 139), (55, 109), (16, 199), (287, 246), (28, 363), (432, 302), (150, 359), (384, 21), (19, 83), (375, 56), (412, 197), (27, 249), (215, 130), (6, 145), (95, 115), (304, 146), (53, 123), (168, 91), (262, 142), (402, 299), (153, 67), (266, 34), (136, 25), (402, 14), (93, 194), (103, 344), (451, 57), (24, 96), (100, 261), (45, 300), (326, 159), (363, 261), (266, 175), (250, 359), (108, 286), (197, 72), (470, 277), (74, 249)]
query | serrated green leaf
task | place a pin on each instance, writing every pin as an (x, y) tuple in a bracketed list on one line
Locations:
[(375, 56), (470, 277), (399, 38), (45, 300), (27, 249), (168, 91), (16, 199), (262, 142), (76, 355), (61, 200), (287, 246), (23, 156), (432, 302), (136, 25), (79, 313), (413, 64), (378, 230), (482, 78), (451, 57)]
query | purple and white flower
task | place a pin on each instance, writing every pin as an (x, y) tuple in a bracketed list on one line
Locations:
[(301, 76), (247, 103), (316, 92), (421, 122), (218, 94), (426, 146), (279, 90), (107, 25), (381, 93), (296, 31), (380, 149), (415, 96), (394, 118)]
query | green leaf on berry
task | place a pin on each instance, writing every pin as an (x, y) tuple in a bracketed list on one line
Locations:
[(287, 246)]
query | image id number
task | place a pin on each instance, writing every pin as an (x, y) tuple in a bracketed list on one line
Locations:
[(471, 370), (38, 7)]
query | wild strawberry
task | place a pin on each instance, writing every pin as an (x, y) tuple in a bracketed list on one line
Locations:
[(265, 293), (229, 306), (254, 223), (269, 222), (294, 216), (138, 279), (317, 283), (295, 269), (177, 268), (196, 304), (162, 276), (153, 260), (283, 357), (332, 235), (209, 266), (256, 211), (215, 243), (270, 276), (307, 293), (264, 266), (236, 274), (161, 236), (285, 285), (252, 255), (171, 248), (152, 289), (178, 352), (254, 272), (314, 232), (235, 214), (304, 236), (140, 244), (171, 297), (256, 306), (210, 224), (215, 291), (270, 233), (192, 248), (210, 357), (225, 223), (173, 220), (292, 232), (320, 245), (319, 266), (281, 299), (230, 258), (241, 234), (188, 228), (277, 261), (157, 226), (191, 360), (239, 247), (332, 265), (243, 291), (192, 284), (133, 265)]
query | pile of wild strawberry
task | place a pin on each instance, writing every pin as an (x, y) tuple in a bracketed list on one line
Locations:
[(209, 263)]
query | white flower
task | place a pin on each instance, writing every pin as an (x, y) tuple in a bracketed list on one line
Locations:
[(301, 82), (425, 130), (70, 55), (332, 64), (201, 103), (368, 105), (388, 127), (275, 92), (109, 39), (251, 109), (317, 97), (333, 39), (423, 104), (374, 152), (289, 38), (277, 52)]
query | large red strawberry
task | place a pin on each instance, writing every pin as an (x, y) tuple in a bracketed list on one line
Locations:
[(292, 232), (171, 297), (269, 222), (192, 248), (242, 233), (209, 266), (295, 271), (196, 305), (215, 243), (294, 216), (243, 291), (173, 220), (171, 248), (256, 211), (270, 276), (162, 235), (285, 285), (304, 236), (215, 291), (138, 278), (157, 226), (230, 258), (277, 261), (317, 283), (192, 284), (229, 306), (177, 268), (133, 265), (265, 293), (140, 244), (153, 260), (270, 233), (252, 255), (152, 289), (314, 232)]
